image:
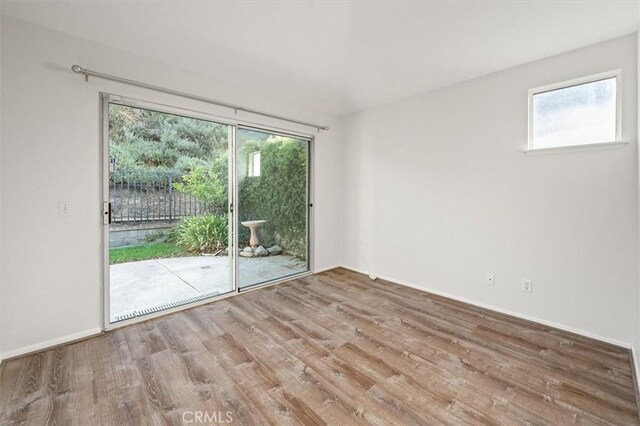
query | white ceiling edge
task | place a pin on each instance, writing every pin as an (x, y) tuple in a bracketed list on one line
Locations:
[(488, 74), (343, 58)]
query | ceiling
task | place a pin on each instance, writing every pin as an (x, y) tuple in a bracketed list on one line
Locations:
[(338, 56)]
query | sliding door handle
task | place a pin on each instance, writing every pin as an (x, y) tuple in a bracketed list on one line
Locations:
[(106, 213)]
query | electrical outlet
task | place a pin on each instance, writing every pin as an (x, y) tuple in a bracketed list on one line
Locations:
[(491, 279), (64, 208), (527, 286)]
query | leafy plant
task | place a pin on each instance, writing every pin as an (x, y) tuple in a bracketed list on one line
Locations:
[(207, 184), (201, 234)]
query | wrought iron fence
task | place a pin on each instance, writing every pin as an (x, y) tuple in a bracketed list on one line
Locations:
[(151, 197)]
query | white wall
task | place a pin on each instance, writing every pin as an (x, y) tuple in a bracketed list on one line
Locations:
[(636, 340), (439, 192), (51, 152), (1, 215)]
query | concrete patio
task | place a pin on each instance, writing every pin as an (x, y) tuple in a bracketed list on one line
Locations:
[(142, 287)]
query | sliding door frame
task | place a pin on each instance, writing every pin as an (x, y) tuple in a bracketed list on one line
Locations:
[(308, 210), (232, 208)]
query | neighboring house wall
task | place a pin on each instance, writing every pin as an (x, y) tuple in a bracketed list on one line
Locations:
[(52, 265), (438, 193)]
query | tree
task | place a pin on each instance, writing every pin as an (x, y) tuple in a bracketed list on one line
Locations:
[(147, 143)]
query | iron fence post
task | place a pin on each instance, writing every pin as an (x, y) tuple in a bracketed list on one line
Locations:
[(170, 198)]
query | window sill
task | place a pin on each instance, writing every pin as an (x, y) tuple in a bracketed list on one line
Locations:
[(576, 148)]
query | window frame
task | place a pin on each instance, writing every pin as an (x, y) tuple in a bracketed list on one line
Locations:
[(617, 74)]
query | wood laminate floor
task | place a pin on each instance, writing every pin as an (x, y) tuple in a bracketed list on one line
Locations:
[(335, 348)]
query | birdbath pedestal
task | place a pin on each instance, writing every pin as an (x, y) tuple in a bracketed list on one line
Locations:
[(253, 226)]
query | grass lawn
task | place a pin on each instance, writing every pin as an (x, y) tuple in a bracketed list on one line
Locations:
[(145, 252)]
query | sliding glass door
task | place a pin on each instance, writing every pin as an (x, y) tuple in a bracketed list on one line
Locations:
[(272, 174), (168, 192), (170, 178)]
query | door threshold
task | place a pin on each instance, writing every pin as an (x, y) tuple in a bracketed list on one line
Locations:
[(163, 307), (189, 305)]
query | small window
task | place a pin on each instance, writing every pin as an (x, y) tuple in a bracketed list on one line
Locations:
[(578, 112), (254, 164)]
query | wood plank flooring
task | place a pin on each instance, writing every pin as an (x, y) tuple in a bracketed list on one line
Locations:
[(335, 348)]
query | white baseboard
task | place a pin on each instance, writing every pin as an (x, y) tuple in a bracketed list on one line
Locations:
[(563, 327), (48, 344), (328, 268), (636, 371)]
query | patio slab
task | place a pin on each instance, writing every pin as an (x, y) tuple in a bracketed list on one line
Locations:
[(150, 284)]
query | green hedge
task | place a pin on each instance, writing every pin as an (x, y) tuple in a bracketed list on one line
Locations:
[(278, 195)]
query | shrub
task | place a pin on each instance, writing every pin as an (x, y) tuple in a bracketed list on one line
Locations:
[(201, 234), (207, 184)]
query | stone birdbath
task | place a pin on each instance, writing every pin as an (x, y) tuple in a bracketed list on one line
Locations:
[(253, 225)]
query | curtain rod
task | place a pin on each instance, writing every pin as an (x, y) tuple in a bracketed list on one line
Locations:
[(87, 73)]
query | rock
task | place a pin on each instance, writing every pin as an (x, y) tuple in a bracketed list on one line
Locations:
[(275, 250), (260, 252), (248, 249), (246, 254)]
